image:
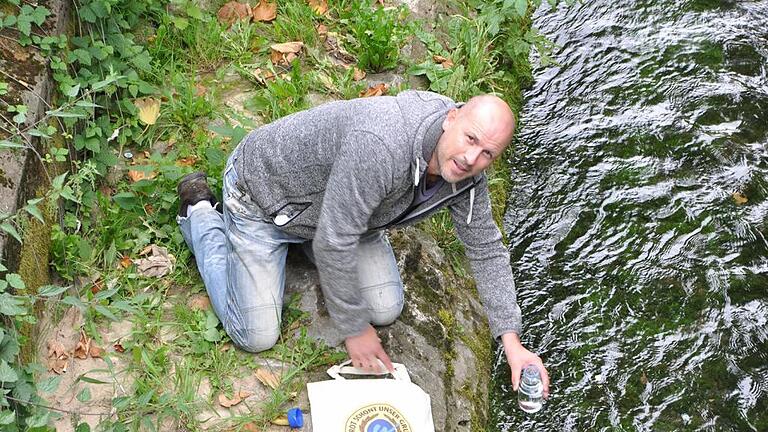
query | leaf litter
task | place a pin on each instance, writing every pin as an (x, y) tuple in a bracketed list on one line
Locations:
[(234, 11), (264, 11), (158, 261), (238, 397)]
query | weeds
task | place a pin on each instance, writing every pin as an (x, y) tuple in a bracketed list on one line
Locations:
[(296, 21), (283, 95), (473, 70), (238, 42), (375, 33)]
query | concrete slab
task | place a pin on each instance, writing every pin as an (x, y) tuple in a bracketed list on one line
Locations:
[(30, 83)]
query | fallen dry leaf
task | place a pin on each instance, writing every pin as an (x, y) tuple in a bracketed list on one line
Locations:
[(58, 358), (285, 53), (200, 90), (158, 264), (322, 30), (119, 347), (643, 379), (81, 351), (149, 109), (445, 62), (187, 161), (358, 74), (97, 286), (377, 90), (236, 398), (146, 250), (95, 352), (319, 6), (280, 421), (234, 11), (287, 47), (264, 11), (59, 365), (262, 76), (740, 198), (149, 209), (126, 261), (199, 302), (278, 58), (83, 346), (136, 175), (56, 348), (251, 427), (267, 378)]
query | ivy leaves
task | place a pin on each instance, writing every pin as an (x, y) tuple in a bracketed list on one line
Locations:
[(27, 16)]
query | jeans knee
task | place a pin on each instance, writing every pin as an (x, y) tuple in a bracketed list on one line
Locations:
[(386, 315), (256, 342)]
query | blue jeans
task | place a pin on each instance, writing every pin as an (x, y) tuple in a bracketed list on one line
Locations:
[(241, 257)]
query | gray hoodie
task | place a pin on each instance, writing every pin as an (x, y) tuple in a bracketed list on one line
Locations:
[(339, 170)]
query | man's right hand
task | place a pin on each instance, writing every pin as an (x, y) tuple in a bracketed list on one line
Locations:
[(365, 350)]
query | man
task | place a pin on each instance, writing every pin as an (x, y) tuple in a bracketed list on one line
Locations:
[(339, 175)]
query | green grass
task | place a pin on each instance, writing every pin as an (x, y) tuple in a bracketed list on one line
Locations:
[(296, 21), (283, 95), (469, 47), (374, 34)]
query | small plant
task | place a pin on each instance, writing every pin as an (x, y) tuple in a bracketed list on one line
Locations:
[(238, 42), (199, 43), (469, 66), (376, 33), (185, 105), (283, 95), (295, 22)]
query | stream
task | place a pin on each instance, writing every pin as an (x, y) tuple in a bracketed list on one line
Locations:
[(637, 219)]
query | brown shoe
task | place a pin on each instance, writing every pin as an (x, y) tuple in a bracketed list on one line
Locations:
[(192, 189)]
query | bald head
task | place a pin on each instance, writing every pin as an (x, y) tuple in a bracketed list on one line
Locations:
[(494, 112), (473, 137)]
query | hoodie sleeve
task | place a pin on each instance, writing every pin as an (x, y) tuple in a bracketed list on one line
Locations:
[(489, 260), (360, 179)]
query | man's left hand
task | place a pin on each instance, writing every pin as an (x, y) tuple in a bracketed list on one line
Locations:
[(518, 357)]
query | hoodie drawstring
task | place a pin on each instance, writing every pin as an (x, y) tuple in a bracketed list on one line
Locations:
[(471, 204)]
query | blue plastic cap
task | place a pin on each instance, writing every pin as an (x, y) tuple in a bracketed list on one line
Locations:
[(295, 418)]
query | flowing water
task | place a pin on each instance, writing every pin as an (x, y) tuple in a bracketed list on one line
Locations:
[(638, 219)]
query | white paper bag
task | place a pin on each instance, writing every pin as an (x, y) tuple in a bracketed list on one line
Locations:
[(369, 405)]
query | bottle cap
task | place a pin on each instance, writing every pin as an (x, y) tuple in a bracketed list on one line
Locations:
[(295, 418), (531, 373)]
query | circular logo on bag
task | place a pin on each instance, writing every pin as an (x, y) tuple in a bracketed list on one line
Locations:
[(377, 418)]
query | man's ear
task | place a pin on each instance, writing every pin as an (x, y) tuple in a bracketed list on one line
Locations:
[(450, 118)]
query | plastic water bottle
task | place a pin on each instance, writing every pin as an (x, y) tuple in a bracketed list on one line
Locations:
[(530, 393)]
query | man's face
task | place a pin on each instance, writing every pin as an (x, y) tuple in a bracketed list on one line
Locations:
[(469, 144)]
